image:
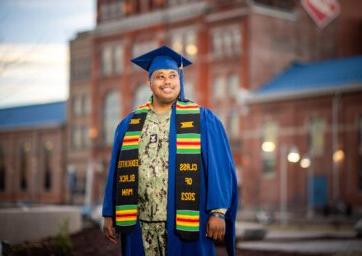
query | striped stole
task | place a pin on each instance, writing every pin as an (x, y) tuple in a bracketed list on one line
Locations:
[(188, 164)]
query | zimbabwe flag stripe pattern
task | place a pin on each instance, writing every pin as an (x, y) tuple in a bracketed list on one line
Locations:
[(126, 215)]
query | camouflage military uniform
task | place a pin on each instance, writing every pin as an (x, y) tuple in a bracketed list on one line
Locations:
[(153, 180)]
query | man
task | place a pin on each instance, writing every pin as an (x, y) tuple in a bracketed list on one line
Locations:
[(171, 188)]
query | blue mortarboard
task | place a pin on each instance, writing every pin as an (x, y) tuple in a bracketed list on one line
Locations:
[(163, 58)]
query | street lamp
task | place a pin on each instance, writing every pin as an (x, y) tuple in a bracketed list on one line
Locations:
[(338, 157), (305, 162)]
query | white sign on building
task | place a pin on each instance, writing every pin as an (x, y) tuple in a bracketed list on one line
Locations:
[(322, 11)]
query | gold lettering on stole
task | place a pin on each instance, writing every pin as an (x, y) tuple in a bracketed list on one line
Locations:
[(135, 120), (188, 124), (188, 181), (188, 167), (128, 163), (187, 196), (127, 191), (127, 178)]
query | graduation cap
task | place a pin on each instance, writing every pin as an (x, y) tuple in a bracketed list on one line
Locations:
[(163, 58)]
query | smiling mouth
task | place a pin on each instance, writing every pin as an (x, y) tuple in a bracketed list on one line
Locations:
[(167, 90)]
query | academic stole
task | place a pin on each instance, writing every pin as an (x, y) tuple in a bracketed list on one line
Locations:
[(188, 164)]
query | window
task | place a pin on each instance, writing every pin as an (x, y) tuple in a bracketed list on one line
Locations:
[(234, 124), (24, 155), (87, 104), (48, 155), (316, 136), (111, 115), (81, 104), (84, 136), (106, 60), (268, 155), (189, 90), (142, 95), (76, 137), (219, 87), (2, 171), (77, 105), (217, 43), (233, 85), (112, 55), (226, 41), (112, 10), (143, 47), (80, 184), (118, 59), (190, 48), (360, 153), (184, 41)]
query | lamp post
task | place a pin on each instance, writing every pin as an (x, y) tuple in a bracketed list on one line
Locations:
[(305, 163), (292, 156)]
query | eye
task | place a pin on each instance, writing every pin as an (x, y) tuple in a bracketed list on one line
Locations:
[(172, 76), (160, 76)]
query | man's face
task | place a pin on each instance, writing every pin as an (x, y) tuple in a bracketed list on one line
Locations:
[(165, 85)]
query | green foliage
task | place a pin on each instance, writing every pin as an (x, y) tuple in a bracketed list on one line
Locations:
[(62, 241)]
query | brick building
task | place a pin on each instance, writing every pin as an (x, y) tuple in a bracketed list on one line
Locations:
[(234, 45), (32, 154), (78, 142), (210, 33), (282, 33), (314, 110)]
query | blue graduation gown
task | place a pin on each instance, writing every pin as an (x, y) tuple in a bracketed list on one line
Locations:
[(218, 189)]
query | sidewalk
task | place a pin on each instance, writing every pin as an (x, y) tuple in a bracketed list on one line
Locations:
[(305, 241)]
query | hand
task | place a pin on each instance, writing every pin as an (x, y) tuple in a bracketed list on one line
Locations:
[(108, 230), (215, 228)]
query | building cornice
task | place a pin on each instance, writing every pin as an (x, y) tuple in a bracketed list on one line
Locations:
[(310, 93), (170, 15), (273, 12), (227, 15)]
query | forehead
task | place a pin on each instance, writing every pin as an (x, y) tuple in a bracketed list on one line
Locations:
[(165, 71)]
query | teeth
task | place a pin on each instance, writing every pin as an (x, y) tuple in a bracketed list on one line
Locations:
[(167, 90)]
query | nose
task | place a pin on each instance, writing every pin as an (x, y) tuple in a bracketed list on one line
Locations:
[(167, 80)]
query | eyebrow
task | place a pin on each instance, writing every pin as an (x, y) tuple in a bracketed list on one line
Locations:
[(162, 72)]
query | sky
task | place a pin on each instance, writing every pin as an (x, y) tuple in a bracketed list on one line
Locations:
[(34, 57)]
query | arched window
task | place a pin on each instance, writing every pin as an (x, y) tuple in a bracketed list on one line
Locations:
[(111, 115), (143, 93), (48, 153), (24, 155), (2, 171)]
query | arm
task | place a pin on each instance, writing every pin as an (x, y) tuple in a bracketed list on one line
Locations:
[(110, 189), (220, 173)]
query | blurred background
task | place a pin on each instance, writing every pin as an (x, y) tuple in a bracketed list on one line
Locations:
[(284, 77)]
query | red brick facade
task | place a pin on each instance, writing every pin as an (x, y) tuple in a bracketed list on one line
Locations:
[(292, 117), (271, 38), (24, 157)]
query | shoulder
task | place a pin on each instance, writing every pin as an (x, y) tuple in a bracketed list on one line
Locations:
[(205, 113), (209, 116), (124, 122)]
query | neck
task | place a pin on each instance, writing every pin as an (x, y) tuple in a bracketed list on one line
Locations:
[(161, 107)]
